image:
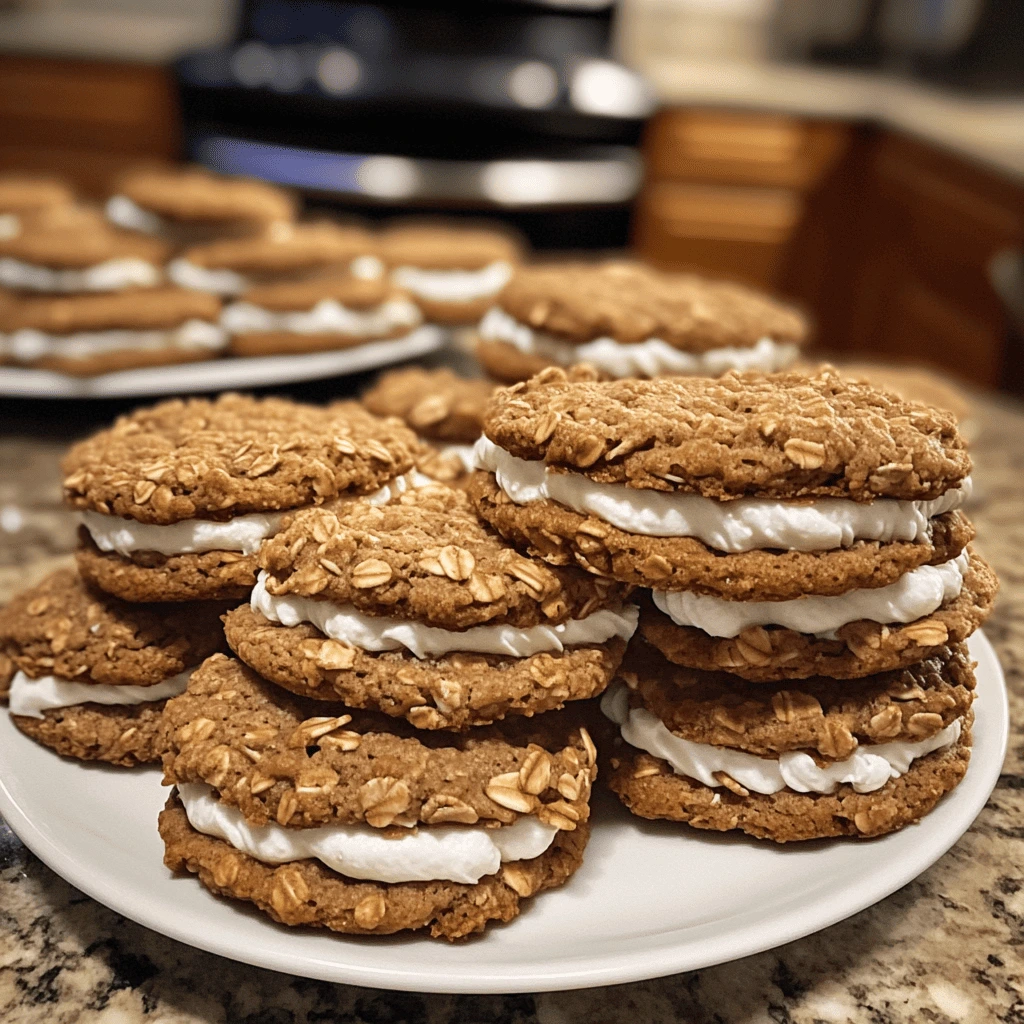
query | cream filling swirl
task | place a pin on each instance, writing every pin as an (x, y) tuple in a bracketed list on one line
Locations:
[(743, 524), (867, 769), (326, 317), (652, 357), (28, 345), (913, 596), (194, 536), (31, 697), (453, 853), (110, 276), (453, 285), (381, 633)]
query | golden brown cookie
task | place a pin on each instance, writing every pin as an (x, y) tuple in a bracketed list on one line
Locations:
[(377, 310), (783, 435), (563, 537), (308, 893), (62, 627), (433, 245), (23, 193), (632, 302), (196, 194), (767, 654), (438, 404), (216, 461), (503, 361), (301, 763), (822, 721)]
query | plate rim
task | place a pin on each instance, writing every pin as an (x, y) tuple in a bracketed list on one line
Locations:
[(624, 967), (205, 375)]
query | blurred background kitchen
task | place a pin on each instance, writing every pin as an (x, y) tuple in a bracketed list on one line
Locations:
[(862, 157)]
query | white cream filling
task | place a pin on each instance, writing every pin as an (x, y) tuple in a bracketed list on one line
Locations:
[(109, 276), (28, 345), (186, 274), (914, 595), (867, 769), (326, 317), (454, 285), (31, 697), (462, 452), (744, 524), (126, 213), (193, 536), (650, 358), (381, 633), (454, 853)]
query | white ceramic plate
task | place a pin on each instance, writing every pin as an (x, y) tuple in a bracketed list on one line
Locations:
[(218, 374), (651, 899)]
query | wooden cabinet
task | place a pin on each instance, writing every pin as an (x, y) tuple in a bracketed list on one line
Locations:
[(885, 240), (84, 119)]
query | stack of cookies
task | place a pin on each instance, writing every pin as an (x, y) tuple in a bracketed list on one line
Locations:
[(630, 320), (435, 628), (800, 669), (85, 298)]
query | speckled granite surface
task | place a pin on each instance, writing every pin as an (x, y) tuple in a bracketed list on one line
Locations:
[(946, 948)]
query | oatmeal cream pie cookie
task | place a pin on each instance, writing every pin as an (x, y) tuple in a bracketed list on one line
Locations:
[(176, 499), (67, 249), (769, 513), (85, 334), (446, 410), (92, 673), (282, 251), (418, 610), (453, 272), (819, 758), (630, 320), (359, 824), (193, 204), (330, 311)]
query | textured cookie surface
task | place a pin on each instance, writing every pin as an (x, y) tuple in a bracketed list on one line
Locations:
[(149, 576), (773, 653), (444, 247), (427, 558), (308, 893), (630, 302), (70, 238), (453, 691), (134, 309), (285, 247), (437, 404), (355, 292), (783, 435), (650, 789), (192, 193), (124, 735), (20, 193), (66, 629), (217, 459), (281, 758), (563, 537), (826, 716)]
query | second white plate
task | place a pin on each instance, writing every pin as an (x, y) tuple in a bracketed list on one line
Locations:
[(218, 374), (651, 899)]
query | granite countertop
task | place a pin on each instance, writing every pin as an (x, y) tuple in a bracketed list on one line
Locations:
[(945, 948)]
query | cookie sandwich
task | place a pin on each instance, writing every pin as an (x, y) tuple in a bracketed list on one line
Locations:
[(417, 610), (90, 333), (359, 824), (176, 499), (67, 249), (281, 251), (445, 410), (630, 320), (91, 674), (191, 204), (787, 526), (453, 272), (24, 194), (330, 311), (814, 759)]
